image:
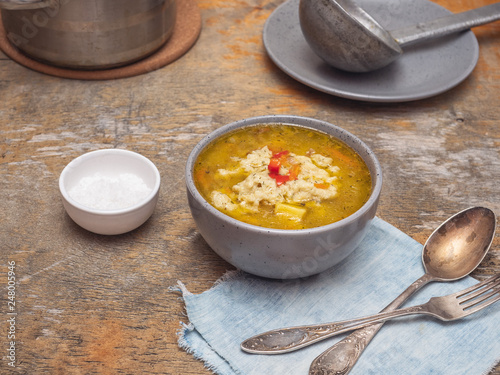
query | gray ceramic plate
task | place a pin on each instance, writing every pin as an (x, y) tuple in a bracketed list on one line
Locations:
[(422, 71)]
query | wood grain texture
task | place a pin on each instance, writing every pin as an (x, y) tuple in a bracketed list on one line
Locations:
[(90, 304)]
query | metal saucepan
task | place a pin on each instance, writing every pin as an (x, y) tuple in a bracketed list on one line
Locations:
[(88, 34)]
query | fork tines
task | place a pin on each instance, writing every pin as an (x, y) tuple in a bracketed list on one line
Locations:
[(480, 295)]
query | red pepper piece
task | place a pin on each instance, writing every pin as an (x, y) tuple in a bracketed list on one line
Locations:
[(280, 179), (274, 165), (274, 168), (278, 155)]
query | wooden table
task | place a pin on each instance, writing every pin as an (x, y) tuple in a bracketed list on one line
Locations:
[(91, 304)]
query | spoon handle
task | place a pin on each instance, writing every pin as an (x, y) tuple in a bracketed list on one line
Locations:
[(446, 25), (341, 357)]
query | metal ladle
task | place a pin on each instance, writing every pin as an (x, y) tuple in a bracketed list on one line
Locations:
[(348, 38), (452, 251)]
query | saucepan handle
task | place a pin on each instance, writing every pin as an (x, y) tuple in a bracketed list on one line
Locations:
[(25, 4)]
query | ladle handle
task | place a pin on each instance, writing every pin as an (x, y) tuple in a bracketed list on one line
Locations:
[(446, 25), (341, 357)]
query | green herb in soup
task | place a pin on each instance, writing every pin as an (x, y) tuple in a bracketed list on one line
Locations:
[(282, 176)]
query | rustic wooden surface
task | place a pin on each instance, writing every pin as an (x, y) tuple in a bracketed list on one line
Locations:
[(90, 304)]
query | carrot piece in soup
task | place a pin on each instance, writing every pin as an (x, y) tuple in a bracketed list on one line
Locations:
[(321, 186), (202, 177), (346, 159), (294, 171)]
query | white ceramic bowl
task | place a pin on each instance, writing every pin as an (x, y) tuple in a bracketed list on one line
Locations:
[(110, 191), (277, 253)]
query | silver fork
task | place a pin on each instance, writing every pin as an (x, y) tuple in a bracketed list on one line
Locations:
[(451, 307)]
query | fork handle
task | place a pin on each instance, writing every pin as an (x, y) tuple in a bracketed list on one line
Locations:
[(288, 339), (293, 338), (341, 357)]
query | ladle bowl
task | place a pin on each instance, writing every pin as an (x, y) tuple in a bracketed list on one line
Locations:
[(348, 38)]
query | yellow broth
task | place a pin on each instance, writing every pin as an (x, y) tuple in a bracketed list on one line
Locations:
[(353, 177)]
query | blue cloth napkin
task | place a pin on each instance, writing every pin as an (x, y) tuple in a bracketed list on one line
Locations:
[(241, 305)]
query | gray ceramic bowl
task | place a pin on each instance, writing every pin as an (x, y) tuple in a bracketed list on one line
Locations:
[(277, 253)]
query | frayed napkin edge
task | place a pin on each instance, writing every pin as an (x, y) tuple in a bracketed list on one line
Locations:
[(181, 333), (185, 345), (228, 276), (488, 371)]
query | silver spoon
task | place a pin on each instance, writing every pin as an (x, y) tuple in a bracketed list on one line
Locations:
[(348, 38), (452, 251)]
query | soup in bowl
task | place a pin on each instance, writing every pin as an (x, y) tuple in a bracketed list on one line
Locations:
[(282, 196)]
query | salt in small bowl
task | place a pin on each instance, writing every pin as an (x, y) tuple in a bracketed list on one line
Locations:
[(110, 191)]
